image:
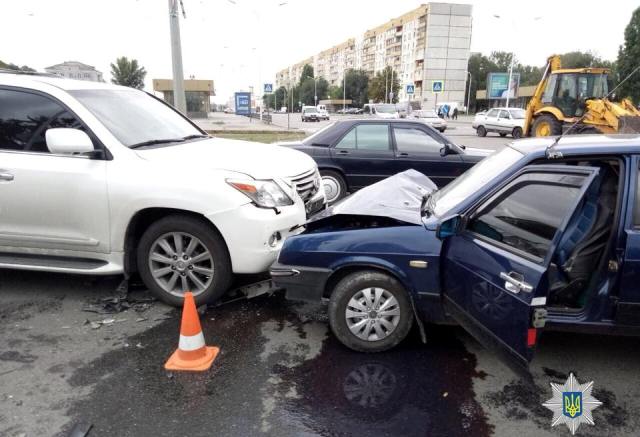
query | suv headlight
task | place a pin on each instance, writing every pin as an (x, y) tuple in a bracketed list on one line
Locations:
[(264, 193)]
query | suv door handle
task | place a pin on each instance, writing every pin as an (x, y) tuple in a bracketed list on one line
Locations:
[(514, 282), (343, 152), (5, 176)]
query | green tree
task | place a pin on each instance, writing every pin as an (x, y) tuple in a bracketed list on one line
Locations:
[(307, 73), (128, 73), (479, 67), (334, 92), (276, 100), (628, 59), (11, 66), (382, 83), (357, 87), (502, 60)]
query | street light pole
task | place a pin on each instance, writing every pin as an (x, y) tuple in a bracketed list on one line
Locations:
[(469, 92), (344, 84), (179, 100), (509, 81)]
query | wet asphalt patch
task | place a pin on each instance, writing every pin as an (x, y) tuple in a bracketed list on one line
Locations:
[(280, 373)]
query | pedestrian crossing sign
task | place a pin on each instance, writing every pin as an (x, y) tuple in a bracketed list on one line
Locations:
[(410, 88), (437, 86), (268, 88)]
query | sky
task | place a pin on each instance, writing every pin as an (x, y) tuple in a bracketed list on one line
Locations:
[(242, 43)]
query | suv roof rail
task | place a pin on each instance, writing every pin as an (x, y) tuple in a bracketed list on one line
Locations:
[(27, 73)]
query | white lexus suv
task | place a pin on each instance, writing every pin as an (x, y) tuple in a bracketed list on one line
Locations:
[(101, 179)]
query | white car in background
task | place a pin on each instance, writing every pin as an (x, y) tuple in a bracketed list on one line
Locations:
[(503, 121), (430, 117), (99, 179), (381, 110), (322, 112)]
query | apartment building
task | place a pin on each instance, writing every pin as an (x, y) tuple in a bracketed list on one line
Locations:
[(429, 43)]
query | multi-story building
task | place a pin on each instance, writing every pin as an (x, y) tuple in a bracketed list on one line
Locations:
[(430, 43), (76, 70)]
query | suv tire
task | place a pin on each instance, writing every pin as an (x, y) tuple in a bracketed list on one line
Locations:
[(179, 252), (376, 325)]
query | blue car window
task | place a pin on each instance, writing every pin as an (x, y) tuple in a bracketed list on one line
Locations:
[(528, 217)]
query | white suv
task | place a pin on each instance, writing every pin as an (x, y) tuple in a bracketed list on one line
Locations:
[(101, 179)]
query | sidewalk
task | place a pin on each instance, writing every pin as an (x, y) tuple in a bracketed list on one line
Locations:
[(221, 122)]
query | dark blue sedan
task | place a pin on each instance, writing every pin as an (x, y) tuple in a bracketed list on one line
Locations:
[(538, 235), (352, 154)]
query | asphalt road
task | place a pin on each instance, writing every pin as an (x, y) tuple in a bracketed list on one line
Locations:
[(280, 373)]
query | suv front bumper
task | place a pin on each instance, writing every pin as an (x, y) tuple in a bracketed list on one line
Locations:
[(255, 235)]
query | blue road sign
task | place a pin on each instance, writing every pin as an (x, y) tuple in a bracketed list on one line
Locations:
[(410, 88), (243, 103), (437, 86), (268, 88)]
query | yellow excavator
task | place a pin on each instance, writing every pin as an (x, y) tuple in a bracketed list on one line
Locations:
[(577, 99)]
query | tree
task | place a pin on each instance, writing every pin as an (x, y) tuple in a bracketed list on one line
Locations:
[(381, 84), (127, 73), (479, 67), (502, 60), (628, 56), (334, 92), (11, 66), (307, 73), (357, 87), (276, 98)]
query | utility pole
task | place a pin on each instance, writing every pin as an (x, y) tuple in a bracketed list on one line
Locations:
[(179, 100), (469, 93), (510, 76)]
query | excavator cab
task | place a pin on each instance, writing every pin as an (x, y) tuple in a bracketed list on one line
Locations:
[(569, 92), (577, 98)]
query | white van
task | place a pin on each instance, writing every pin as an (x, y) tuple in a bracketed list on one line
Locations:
[(323, 114)]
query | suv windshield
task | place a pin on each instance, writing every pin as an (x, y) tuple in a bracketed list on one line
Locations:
[(473, 180), (386, 109), (134, 117)]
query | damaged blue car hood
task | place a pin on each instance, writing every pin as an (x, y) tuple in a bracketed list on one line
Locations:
[(398, 197)]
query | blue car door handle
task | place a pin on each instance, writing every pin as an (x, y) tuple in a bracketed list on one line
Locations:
[(514, 282), (403, 154), (343, 152)]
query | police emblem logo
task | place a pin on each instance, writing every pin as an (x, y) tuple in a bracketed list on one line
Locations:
[(572, 403)]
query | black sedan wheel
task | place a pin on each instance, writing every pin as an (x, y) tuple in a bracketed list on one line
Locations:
[(335, 187), (370, 311)]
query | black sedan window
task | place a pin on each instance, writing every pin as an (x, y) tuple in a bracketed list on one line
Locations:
[(413, 140), (366, 137)]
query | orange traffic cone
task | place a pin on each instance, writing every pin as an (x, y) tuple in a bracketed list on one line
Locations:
[(192, 353)]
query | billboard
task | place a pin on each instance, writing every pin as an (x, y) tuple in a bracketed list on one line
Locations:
[(243, 103), (497, 85)]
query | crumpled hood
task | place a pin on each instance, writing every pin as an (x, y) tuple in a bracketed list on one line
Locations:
[(399, 197), (261, 161)]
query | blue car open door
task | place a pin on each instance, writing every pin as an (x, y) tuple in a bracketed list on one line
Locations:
[(498, 268)]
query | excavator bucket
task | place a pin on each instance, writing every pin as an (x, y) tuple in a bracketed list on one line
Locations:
[(629, 124)]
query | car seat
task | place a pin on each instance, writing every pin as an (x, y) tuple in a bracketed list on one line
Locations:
[(583, 242)]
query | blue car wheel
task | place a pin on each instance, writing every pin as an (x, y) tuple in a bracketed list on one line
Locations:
[(370, 311)]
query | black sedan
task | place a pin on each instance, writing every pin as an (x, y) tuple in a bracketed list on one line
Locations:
[(352, 154)]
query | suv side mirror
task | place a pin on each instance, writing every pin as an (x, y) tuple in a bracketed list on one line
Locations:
[(67, 141), (449, 227)]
